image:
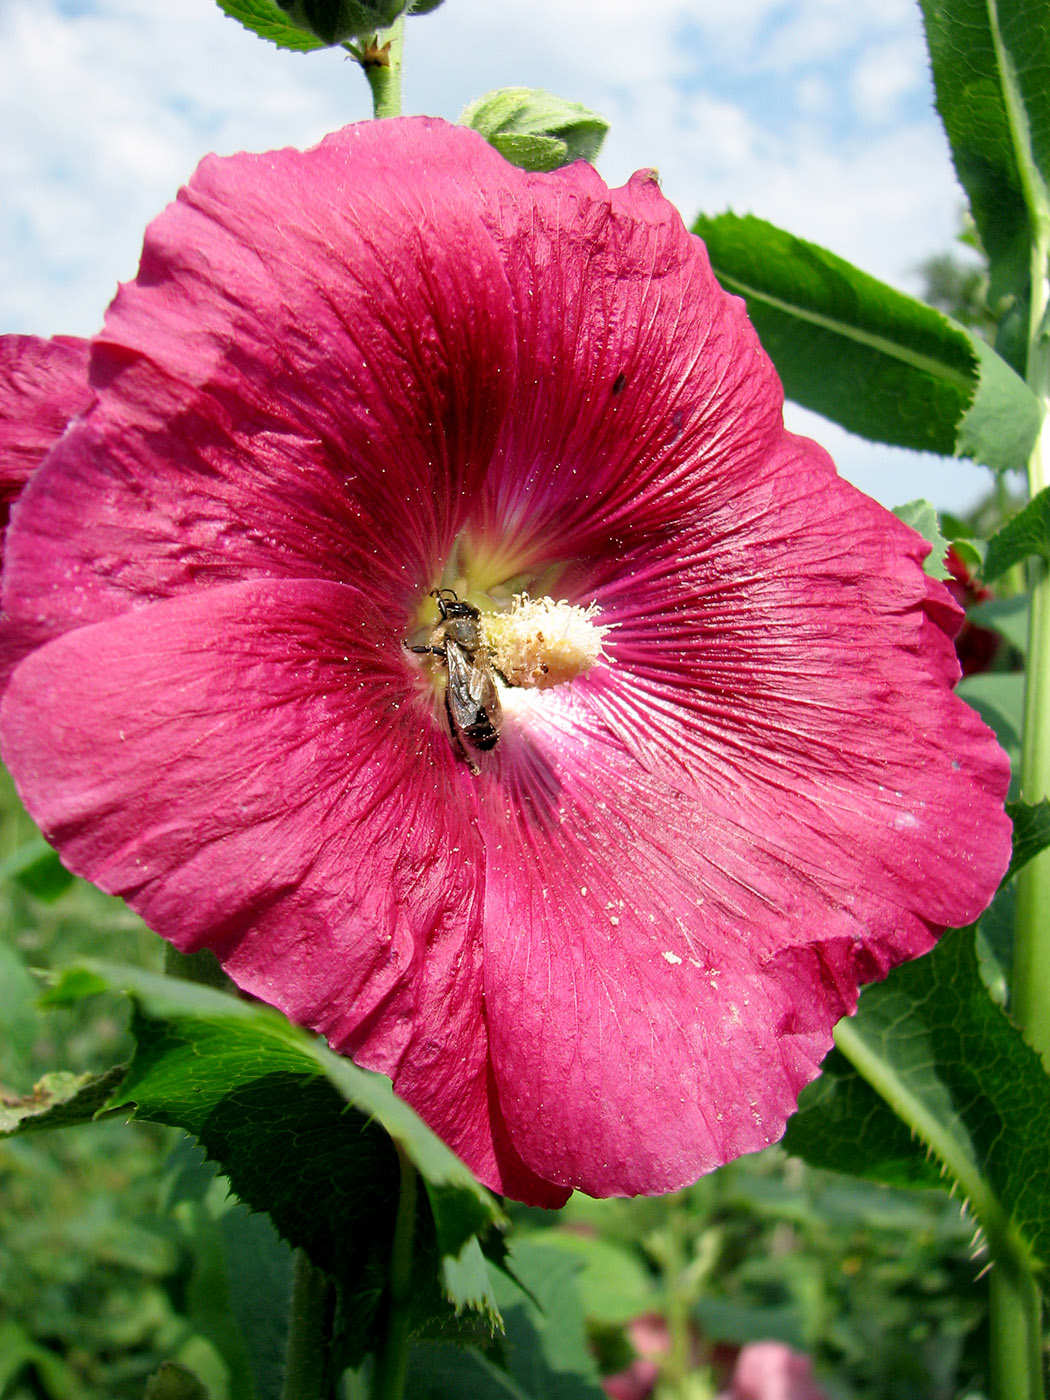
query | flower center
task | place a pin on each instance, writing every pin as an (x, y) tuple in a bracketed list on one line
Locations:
[(532, 642), (541, 643)]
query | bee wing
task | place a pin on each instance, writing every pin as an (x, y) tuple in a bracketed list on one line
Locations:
[(464, 686), (483, 691)]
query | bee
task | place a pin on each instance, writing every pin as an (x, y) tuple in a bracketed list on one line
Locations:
[(471, 698)]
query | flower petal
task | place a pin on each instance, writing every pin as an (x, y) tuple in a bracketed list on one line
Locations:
[(278, 396), (612, 958), (641, 384), (43, 384), (254, 770), (699, 851)]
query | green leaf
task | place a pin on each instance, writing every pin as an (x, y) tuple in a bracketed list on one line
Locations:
[(239, 1287), (468, 1281), (971, 551), (37, 868), (844, 1125), (998, 697), (995, 943), (1007, 616), (922, 516), (60, 1100), (545, 1352), (723, 1321), (302, 1134), (991, 73), (1031, 832), (268, 20), (443, 1371), (304, 25), (613, 1284), (958, 1074), (19, 1021), (534, 129), (174, 1382), (336, 21), (18, 1352), (1026, 534), (882, 364)]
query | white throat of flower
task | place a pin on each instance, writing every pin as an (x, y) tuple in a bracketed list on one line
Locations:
[(540, 643)]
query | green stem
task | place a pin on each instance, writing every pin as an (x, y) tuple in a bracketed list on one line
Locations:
[(677, 1363), (1015, 1306), (1030, 982), (308, 1359), (392, 1358), (1016, 1349), (382, 64)]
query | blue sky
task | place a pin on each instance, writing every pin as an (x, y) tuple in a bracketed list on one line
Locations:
[(815, 114)]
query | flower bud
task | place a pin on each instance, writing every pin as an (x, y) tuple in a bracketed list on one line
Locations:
[(535, 130)]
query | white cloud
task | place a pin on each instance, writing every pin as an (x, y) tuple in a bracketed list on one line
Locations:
[(807, 113), (884, 76)]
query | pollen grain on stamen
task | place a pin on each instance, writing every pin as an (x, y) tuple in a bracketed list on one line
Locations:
[(541, 643)]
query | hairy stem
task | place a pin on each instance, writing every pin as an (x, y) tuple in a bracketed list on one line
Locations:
[(381, 60)]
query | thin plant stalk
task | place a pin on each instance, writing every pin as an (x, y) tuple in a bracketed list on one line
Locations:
[(1016, 1352), (308, 1358), (1017, 1371), (392, 1358), (1030, 984)]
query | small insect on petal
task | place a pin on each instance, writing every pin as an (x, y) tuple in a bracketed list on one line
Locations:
[(471, 698)]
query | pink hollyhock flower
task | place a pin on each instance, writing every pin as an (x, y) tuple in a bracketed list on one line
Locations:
[(612, 956), (976, 647), (43, 384), (651, 1340), (772, 1371)]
